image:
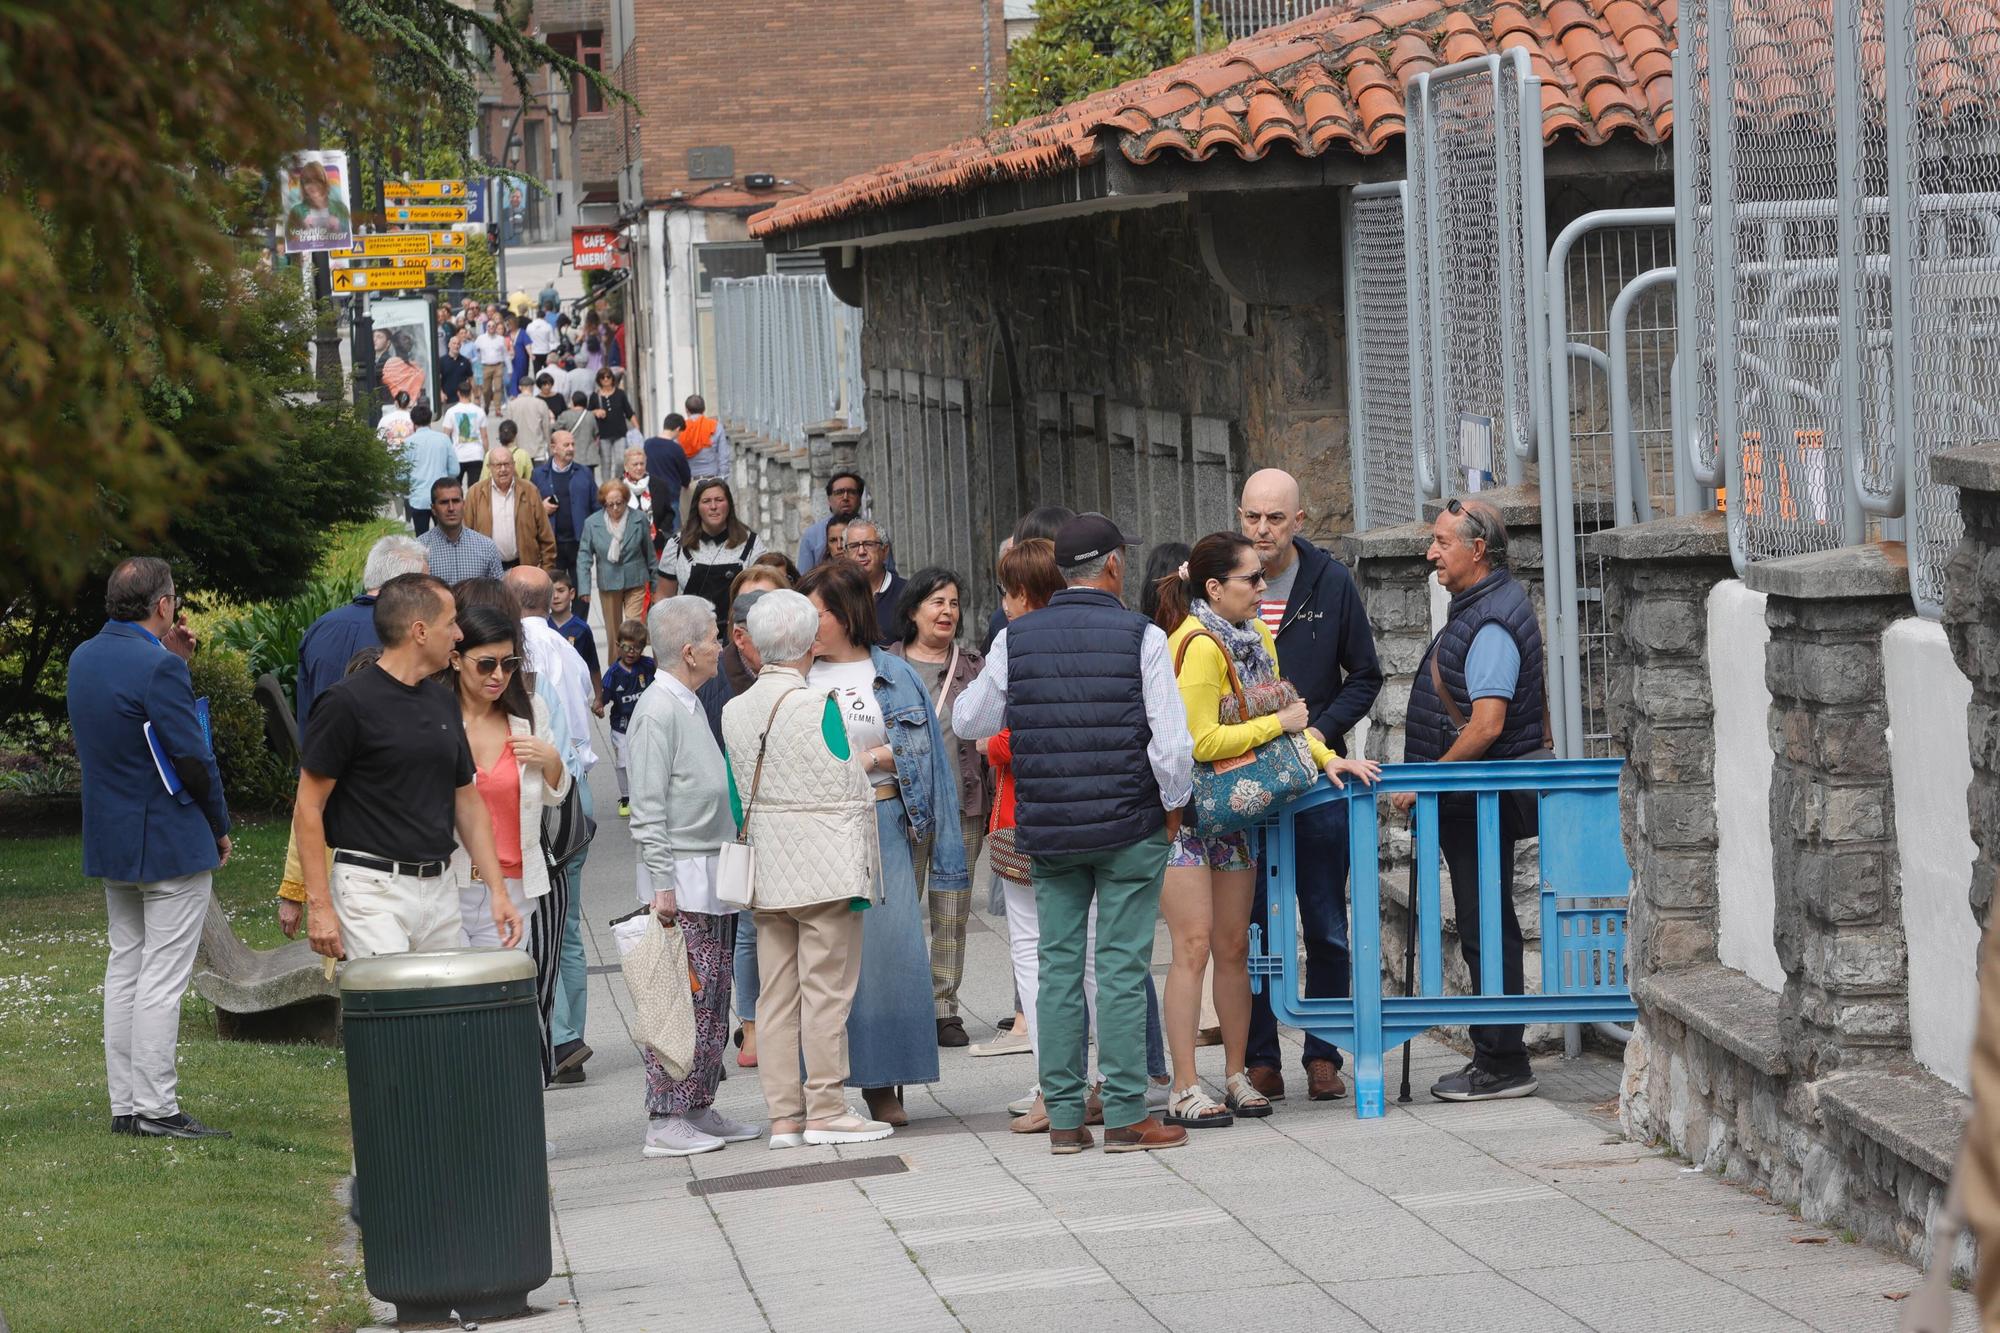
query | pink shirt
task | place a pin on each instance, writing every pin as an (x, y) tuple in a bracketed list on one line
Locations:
[(500, 787)]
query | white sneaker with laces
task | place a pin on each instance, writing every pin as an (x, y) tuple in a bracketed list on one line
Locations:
[(1025, 1104), (717, 1125), (673, 1136)]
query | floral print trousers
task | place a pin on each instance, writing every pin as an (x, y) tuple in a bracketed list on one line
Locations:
[(711, 947)]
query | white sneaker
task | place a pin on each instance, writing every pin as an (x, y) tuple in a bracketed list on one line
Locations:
[(673, 1136), (1025, 1104), (717, 1125), (1005, 1043), (850, 1128), (794, 1139)]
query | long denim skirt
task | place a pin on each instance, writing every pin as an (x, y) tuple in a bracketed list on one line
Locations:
[(892, 1029)]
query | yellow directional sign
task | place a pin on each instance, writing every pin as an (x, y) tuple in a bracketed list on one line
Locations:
[(426, 213), (432, 263), (396, 243), (378, 279), (442, 241), (423, 189)]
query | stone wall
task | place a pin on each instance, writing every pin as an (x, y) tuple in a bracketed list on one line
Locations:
[(1972, 620)]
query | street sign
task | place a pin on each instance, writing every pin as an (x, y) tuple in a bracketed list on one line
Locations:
[(379, 279), (595, 247), (442, 241), (423, 189), (396, 243), (422, 213), (431, 263)]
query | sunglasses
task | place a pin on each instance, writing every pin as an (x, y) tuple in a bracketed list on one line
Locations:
[(486, 666), (1252, 579), (1478, 520)]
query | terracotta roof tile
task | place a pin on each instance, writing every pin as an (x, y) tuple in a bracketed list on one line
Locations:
[(1334, 81)]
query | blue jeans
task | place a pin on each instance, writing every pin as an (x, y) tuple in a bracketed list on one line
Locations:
[(747, 983), (1322, 893), (573, 987)]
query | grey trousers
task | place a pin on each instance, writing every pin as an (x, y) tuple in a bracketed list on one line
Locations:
[(155, 930)]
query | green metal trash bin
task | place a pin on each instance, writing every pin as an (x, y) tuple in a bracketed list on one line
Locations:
[(444, 1079)]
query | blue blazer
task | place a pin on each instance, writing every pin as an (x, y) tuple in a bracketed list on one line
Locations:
[(133, 831)]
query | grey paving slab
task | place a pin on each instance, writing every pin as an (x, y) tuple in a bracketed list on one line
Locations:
[(1431, 1217)]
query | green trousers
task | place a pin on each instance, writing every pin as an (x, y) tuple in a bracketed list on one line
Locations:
[(1125, 883)]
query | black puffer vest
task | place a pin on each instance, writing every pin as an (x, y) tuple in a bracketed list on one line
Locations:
[(1076, 706), (1497, 598)]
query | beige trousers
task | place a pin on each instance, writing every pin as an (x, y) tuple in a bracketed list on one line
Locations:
[(809, 960), (619, 605)]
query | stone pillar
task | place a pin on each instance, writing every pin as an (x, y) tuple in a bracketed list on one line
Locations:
[(1657, 577), (1839, 928), (1972, 621), (1394, 579)]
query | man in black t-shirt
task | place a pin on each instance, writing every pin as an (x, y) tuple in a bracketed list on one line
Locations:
[(386, 781)]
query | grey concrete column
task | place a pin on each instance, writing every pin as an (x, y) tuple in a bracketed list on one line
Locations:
[(1657, 578), (1839, 928), (1972, 622)]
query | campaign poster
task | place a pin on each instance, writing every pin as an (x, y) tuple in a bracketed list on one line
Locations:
[(314, 199), (405, 348)]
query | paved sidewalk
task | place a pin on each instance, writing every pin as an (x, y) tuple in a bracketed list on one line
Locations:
[(1531, 1215)]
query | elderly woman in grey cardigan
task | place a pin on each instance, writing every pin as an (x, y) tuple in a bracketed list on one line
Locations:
[(680, 818), (614, 552)]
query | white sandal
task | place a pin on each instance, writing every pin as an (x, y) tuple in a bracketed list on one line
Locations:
[(1192, 1108), (1243, 1097)]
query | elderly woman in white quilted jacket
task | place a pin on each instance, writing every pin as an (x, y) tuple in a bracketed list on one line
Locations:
[(807, 811)]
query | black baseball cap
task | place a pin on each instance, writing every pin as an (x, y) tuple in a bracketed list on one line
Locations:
[(1088, 537)]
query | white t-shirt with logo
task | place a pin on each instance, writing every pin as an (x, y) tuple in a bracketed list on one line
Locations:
[(465, 423), (853, 683)]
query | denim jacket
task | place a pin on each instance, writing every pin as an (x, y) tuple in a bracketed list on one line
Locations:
[(926, 768)]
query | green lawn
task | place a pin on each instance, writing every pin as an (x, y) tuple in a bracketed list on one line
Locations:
[(101, 1232)]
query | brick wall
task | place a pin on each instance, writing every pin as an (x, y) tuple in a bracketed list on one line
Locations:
[(808, 90)]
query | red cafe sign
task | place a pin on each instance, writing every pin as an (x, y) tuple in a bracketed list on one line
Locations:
[(596, 247)]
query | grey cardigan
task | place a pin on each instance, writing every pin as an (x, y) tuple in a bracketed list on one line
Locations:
[(680, 784)]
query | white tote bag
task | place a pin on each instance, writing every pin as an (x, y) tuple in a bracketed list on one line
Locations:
[(656, 973), (736, 861)]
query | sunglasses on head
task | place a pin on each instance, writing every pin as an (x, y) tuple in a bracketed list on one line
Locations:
[(1478, 520), (486, 666)]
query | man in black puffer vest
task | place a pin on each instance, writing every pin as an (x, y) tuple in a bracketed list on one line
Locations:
[(1488, 657), (1101, 756)]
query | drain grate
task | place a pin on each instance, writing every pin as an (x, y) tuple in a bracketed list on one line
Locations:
[(820, 1173)]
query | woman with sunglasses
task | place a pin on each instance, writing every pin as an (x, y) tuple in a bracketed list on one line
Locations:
[(1209, 608), (711, 549), (518, 770)]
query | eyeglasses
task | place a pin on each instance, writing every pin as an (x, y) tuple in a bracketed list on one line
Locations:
[(486, 666), (859, 547)]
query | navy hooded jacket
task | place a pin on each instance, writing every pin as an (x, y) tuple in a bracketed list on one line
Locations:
[(1326, 648)]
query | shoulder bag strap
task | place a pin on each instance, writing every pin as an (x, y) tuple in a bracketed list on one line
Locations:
[(1235, 681), (944, 681), (1451, 708), (757, 774)]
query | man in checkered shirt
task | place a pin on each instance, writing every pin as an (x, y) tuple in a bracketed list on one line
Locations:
[(457, 553)]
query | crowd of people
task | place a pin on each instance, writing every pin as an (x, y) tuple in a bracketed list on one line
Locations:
[(844, 724)]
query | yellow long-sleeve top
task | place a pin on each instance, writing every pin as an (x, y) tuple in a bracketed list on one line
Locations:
[(1204, 679), (292, 882)]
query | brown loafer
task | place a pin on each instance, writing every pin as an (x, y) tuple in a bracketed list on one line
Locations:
[(886, 1106), (1149, 1135), (1323, 1081), (1267, 1081), (1066, 1142)]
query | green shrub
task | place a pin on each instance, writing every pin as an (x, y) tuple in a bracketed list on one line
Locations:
[(253, 777), (268, 633)]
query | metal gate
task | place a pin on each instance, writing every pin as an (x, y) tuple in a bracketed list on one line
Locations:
[(1384, 416)]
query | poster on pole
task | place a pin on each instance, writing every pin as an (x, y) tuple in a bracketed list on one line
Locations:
[(314, 195), (405, 347)]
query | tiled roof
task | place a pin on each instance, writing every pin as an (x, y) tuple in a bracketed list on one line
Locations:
[(1334, 79)]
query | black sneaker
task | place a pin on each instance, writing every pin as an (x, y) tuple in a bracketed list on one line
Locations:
[(1473, 1084), (178, 1126), (571, 1055), (122, 1124)]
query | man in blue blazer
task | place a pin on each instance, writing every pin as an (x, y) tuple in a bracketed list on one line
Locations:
[(154, 826)]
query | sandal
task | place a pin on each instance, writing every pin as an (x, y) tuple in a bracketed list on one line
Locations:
[(1192, 1108), (1243, 1098)]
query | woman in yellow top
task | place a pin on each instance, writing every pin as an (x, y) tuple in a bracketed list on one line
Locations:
[(1208, 607)]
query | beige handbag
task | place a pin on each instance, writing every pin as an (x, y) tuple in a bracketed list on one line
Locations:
[(736, 860), (656, 973)]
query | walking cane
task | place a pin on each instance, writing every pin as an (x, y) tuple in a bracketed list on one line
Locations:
[(1409, 958)]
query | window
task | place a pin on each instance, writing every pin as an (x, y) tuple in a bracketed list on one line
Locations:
[(587, 49), (727, 259)]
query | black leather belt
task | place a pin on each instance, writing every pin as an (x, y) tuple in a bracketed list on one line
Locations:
[(419, 869)]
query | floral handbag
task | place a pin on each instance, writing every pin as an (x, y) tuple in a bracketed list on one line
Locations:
[(1234, 794)]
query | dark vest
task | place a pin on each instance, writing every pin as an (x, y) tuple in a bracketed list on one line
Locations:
[(1497, 598), (1076, 706)]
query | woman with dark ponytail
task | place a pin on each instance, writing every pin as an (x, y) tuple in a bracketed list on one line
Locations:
[(1209, 610)]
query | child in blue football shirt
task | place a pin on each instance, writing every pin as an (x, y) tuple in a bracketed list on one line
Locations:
[(562, 614), (623, 684)]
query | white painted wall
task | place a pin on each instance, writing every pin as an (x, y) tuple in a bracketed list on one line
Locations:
[(1440, 603), (1746, 896), (1930, 761)]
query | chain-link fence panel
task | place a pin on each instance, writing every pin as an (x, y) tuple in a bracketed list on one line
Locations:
[(1695, 183), (789, 355), (1379, 360)]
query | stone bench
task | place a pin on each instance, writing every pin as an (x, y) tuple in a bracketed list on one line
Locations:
[(279, 994)]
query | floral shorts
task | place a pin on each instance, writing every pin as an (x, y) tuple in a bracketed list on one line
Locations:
[(1231, 851)]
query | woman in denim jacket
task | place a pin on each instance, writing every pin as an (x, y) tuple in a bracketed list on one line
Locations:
[(894, 733)]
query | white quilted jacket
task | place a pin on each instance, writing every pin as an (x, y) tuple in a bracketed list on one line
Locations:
[(813, 824)]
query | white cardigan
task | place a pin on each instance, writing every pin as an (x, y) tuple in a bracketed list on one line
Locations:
[(535, 794)]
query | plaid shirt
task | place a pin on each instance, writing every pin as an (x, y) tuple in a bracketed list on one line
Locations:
[(472, 556)]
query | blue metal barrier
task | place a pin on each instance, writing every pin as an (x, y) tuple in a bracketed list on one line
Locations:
[(1584, 885)]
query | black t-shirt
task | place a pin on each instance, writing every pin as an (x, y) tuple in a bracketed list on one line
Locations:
[(398, 755)]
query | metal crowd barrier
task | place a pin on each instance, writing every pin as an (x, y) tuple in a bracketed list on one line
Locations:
[(1584, 883)]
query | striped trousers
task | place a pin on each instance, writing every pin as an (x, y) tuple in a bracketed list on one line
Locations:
[(545, 941)]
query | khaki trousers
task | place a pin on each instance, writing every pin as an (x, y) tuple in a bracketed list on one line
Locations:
[(619, 605), (809, 959)]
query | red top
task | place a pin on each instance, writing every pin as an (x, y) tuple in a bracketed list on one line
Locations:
[(500, 787), (1000, 754)]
